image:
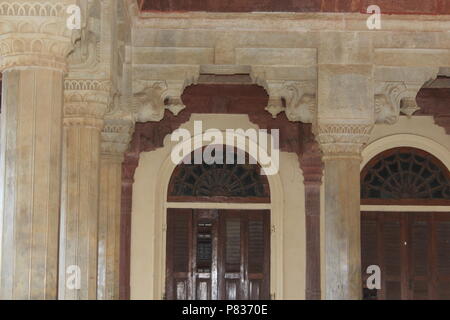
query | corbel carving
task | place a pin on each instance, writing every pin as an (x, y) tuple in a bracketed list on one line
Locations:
[(152, 98), (296, 98), (393, 98)]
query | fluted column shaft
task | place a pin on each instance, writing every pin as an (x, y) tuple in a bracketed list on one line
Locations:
[(33, 65), (115, 138), (83, 122), (341, 145)]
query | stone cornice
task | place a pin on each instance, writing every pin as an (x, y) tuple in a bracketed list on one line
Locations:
[(34, 34), (294, 22)]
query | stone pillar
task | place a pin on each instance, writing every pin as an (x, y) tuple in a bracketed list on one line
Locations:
[(115, 139), (34, 44), (345, 118), (341, 146), (85, 104), (312, 167)]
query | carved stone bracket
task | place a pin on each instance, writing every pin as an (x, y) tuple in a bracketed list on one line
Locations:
[(396, 89), (296, 98), (393, 98), (152, 98)]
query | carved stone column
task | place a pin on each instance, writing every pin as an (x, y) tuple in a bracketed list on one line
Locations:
[(34, 44), (115, 139), (85, 104), (341, 145), (345, 118)]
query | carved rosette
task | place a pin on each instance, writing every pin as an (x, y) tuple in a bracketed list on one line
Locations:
[(342, 140), (116, 136), (34, 34), (86, 102)]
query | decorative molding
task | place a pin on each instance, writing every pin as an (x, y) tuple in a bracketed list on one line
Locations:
[(34, 34), (33, 8), (116, 136), (86, 102), (341, 139)]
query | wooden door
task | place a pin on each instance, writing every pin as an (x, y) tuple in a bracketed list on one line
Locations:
[(244, 253), (218, 254), (412, 251)]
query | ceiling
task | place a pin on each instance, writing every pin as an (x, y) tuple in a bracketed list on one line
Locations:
[(387, 6)]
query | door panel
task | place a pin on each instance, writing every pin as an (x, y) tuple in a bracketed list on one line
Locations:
[(179, 227), (412, 250), (218, 254)]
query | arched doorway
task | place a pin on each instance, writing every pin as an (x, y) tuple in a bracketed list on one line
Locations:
[(218, 253), (407, 232)]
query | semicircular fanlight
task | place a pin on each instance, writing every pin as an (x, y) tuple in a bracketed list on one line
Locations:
[(405, 173), (218, 180)]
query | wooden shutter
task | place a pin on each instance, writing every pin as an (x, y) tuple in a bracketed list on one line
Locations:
[(231, 259), (245, 254), (442, 258), (369, 250), (179, 248), (419, 255), (412, 250), (392, 258), (258, 255)]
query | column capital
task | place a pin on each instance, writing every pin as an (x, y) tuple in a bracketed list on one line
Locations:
[(342, 140), (34, 34), (86, 102), (116, 136)]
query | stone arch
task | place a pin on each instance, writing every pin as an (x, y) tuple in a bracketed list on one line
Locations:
[(162, 180)]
